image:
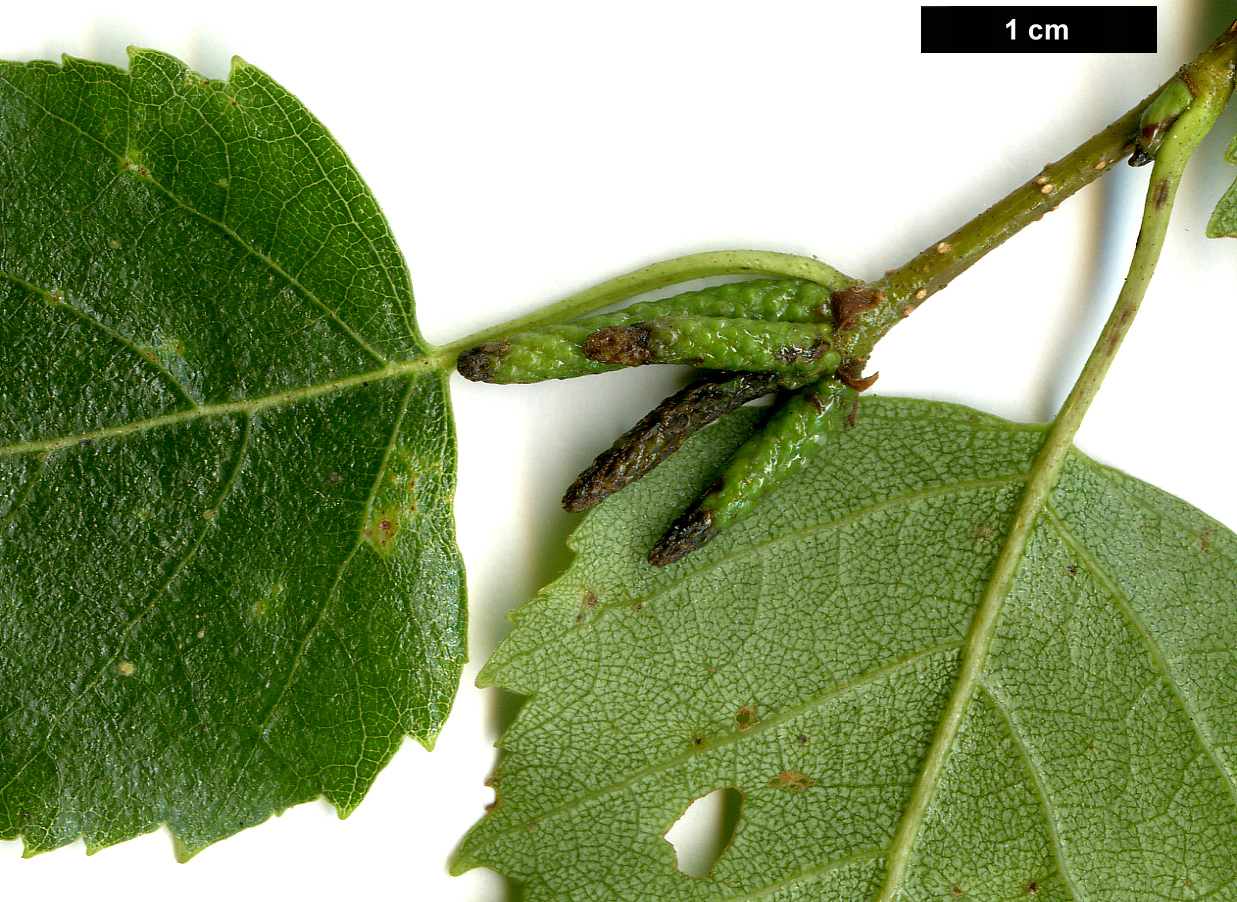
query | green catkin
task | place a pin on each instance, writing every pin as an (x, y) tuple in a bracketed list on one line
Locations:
[(555, 352), (800, 349), (794, 434), (663, 431)]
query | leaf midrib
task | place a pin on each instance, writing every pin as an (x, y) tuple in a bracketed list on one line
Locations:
[(420, 365)]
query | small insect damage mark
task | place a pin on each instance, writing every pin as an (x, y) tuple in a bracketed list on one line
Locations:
[(126, 668), (957, 891), (1160, 197), (169, 352), (705, 829), (268, 602), (383, 529), (1031, 889), (746, 717), (395, 510), (981, 533), (589, 604), (133, 164), (791, 781)]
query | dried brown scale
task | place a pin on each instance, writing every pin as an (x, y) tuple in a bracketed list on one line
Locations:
[(663, 431), (474, 364), (790, 354), (848, 303), (620, 345), (719, 343), (850, 374)]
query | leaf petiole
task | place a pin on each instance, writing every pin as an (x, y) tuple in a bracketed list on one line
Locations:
[(1211, 86)]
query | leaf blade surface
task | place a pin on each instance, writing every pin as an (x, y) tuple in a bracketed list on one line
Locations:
[(230, 577), (822, 642)]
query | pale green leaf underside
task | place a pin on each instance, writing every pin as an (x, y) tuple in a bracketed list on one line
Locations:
[(1223, 222), (1094, 760), (228, 575)]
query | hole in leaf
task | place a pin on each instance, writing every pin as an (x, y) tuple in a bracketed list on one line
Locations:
[(704, 830)]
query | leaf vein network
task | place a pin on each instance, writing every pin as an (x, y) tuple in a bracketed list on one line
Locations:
[(752, 550), (92, 678), (225, 229), (329, 597), (765, 724), (1041, 789), (1155, 652)]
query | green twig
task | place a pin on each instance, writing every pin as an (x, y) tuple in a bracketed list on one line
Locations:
[(904, 289)]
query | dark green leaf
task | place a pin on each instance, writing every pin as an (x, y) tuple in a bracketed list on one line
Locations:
[(228, 575), (805, 658)]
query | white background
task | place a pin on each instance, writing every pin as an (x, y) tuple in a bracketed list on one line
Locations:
[(526, 150)]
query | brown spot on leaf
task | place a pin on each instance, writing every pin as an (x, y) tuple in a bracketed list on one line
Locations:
[(383, 529), (792, 781), (982, 533), (746, 717)]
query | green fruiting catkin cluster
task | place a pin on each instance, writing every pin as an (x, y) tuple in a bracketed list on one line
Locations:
[(756, 336), (663, 431), (719, 343), (556, 352), (792, 436)]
